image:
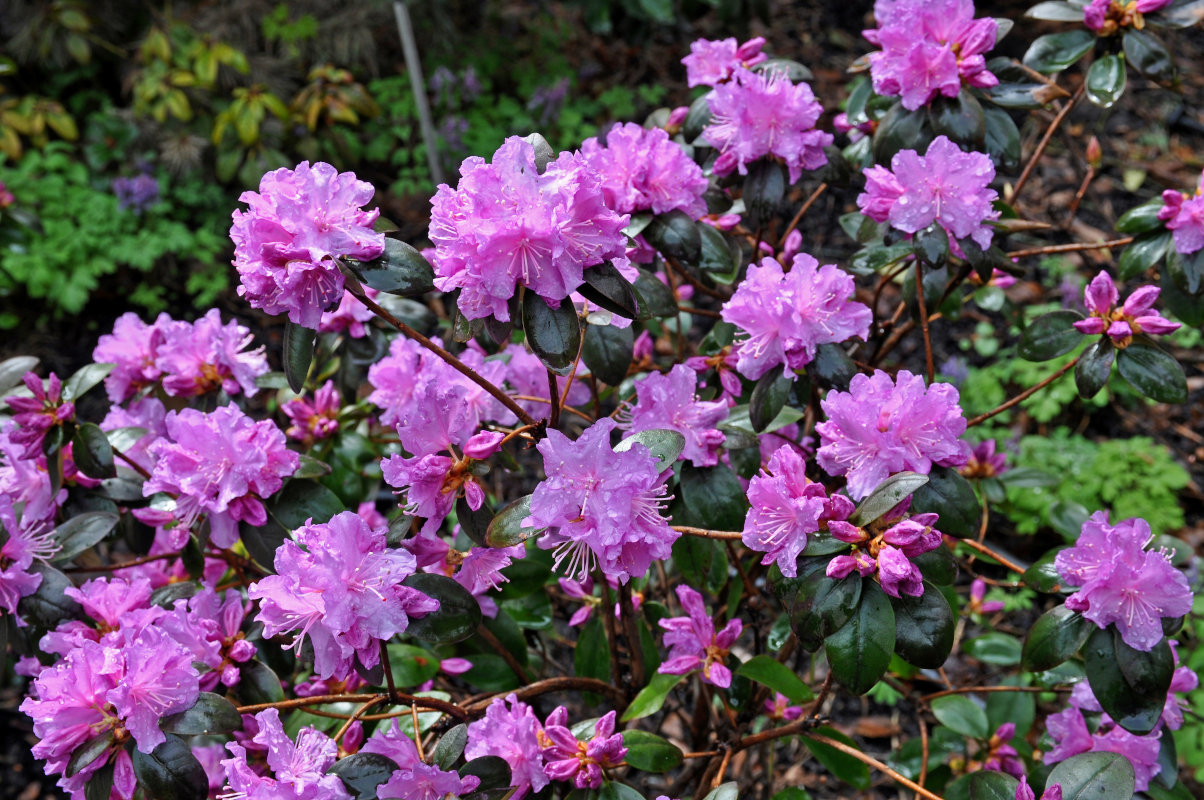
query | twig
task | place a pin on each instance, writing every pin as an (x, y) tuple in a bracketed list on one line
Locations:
[(1073, 247), (690, 279), (134, 563), (549, 685), (799, 216), (1041, 145), (702, 312), (507, 656), (299, 702), (923, 751), (338, 737), (981, 418), (533, 399), (134, 465), (554, 394), (928, 363), (986, 551), (632, 632), (873, 762), (707, 534)]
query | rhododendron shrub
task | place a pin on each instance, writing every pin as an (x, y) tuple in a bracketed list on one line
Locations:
[(646, 492)]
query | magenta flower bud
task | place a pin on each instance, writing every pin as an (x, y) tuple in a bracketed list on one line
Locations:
[(455, 666), (354, 737), (847, 532), (897, 574), (483, 444), (241, 651), (677, 116)]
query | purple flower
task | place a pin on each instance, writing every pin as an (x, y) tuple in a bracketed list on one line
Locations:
[(407, 382), (787, 315), (694, 644), (1071, 737), (220, 464), (155, 677), (929, 48), (978, 590), (136, 194), (527, 376), (298, 770), (1110, 17), (888, 554), (36, 415), (316, 420), (27, 480), (25, 541), (669, 402), (643, 169), (785, 508), (601, 507), (779, 708), (296, 225), (945, 185), (880, 427), (985, 462), (511, 731), (1025, 792), (205, 356), (1184, 216), (350, 315), (1001, 756), (756, 115), (1121, 582), (414, 780), (211, 629), (507, 225), (568, 758), (1137, 315), (710, 63), (341, 585), (132, 348)]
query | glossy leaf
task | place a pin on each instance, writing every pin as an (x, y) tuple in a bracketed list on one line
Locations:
[(1106, 80), (900, 129), (817, 605), (995, 648), (1094, 776), (1055, 52), (713, 496), (1142, 218), (363, 773), (82, 532), (716, 254), (832, 366), (170, 772), (88, 752), (649, 752), (84, 379), (302, 500), (607, 352), (842, 765), (506, 529), (606, 287), (1153, 372), (1050, 335), (768, 397), (399, 270), (652, 697), (887, 495), (961, 715), (924, 628), (451, 747), (257, 683), (764, 190), (553, 333), (655, 298), (951, 496), (1143, 253), (1056, 11), (860, 651), (1002, 137), (665, 445), (12, 371), (298, 354), (1148, 55), (48, 605), (674, 234), (960, 118), (92, 452), (1129, 684), (459, 612), (724, 791), (768, 671), (1054, 638), (210, 715)]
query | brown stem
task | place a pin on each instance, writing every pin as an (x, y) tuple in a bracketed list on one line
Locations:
[(702, 312), (134, 465), (388, 670), (799, 216), (554, 393), (113, 567), (1073, 247), (360, 712), (707, 534), (1041, 145), (690, 279), (456, 364), (632, 631), (532, 398), (608, 623), (928, 362), (981, 418), (923, 751), (986, 551), (401, 697), (873, 762), (549, 685), (1078, 196), (506, 655)]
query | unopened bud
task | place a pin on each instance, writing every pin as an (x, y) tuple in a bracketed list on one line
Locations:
[(1095, 153)]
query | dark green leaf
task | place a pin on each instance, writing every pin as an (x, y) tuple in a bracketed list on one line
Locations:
[(1148, 55), (257, 683), (1143, 253), (298, 354), (1106, 80), (613, 790), (716, 255), (900, 129), (951, 496), (92, 452), (212, 714), (1188, 274), (170, 772), (764, 189), (651, 697), (768, 671), (263, 542), (1094, 776), (791, 69), (506, 529), (302, 500), (860, 651), (12, 371), (1153, 372), (1055, 52), (363, 773), (606, 287), (451, 747), (962, 715), (459, 613), (876, 257), (1056, 11), (924, 628), (663, 444), (1002, 137), (887, 495), (697, 118), (1067, 518), (649, 752), (768, 397), (127, 486), (607, 352), (1019, 708), (1142, 218), (675, 235), (1131, 685), (493, 771), (88, 752), (167, 595), (937, 566), (655, 297), (82, 532), (817, 605), (591, 656), (399, 270), (846, 768), (832, 367), (100, 783), (725, 791), (1094, 367), (310, 467), (475, 524), (713, 496), (1050, 335), (48, 605), (995, 648), (1054, 638), (985, 785), (412, 666), (553, 333), (83, 379), (960, 118)]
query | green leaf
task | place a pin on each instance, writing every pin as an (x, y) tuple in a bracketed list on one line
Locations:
[(724, 791), (649, 752), (613, 790), (506, 529), (459, 612), (1094, 776), (82, 532), (655, 298), (553, 333), (298, 353), (900, 129), (792, 70), (663, 444), (876, 257), (606, 287), (1143, 253), (82, 381), (951, 496), (1106, 80), (12, 371), (651, 697), (768, 671), (984, 785), (1131, 685), (817, 605), (768, 397), (1188, 275), (716, 255), (170, 772), (591, 656), (674, 234), (100, 783), (860, 651), (961, 715), (310, 467), (1153, 372), (960, 118), (475, 524), (451, 747), (1054, 638), (1142, 218), (263, 542), (302, 500), (257, 683), (608, 351), (842, 765), (698, 117), (1094, 368), (1050, 335), (924, 628), (399, 270), (1002, 136), (1055, 11), (937, 566), (1148, 55), (1043, 574), (210, 715), (995, 648), (1055, 52), (48, 605), (764, 189), (832, 367), (412, 666), (363, 773), (88, 752), (713, 496), (92, 451), (887, 495)]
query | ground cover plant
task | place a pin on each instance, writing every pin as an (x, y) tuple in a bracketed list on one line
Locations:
[(612, 484)]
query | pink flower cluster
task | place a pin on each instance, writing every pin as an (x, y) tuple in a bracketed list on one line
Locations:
[(888, 554), (315, 420), (882, 426), (26, 540), (1184, 216), (694, 644), (414, 779), (1120, 324), (296, 225), (787, 315), (298, 770), (929, 48), (669, 402), (36, 415), (945, 186), (763, 114), (710, 63), (1109, 17), (506, 224), (1121, 582), (187, 358), (643, 170)]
